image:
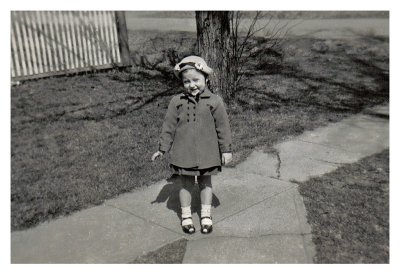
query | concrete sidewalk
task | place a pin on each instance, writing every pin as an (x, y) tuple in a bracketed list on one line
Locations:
[(258, 214)]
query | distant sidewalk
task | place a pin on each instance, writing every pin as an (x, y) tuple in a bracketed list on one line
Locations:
[(259, 215)]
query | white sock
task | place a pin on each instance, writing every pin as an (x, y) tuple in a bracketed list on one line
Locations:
[(206, 212), (186, 213)]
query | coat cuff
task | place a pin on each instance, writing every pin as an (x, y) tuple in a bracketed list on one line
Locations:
[(162, 148), (226, 149)]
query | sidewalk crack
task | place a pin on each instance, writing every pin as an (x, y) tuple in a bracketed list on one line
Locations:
[(275, 152), (278, 168)]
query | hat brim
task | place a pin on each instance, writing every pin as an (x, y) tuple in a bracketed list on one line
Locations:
[(207, 70)]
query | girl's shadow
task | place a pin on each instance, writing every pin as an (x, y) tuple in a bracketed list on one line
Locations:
[(170, 193)]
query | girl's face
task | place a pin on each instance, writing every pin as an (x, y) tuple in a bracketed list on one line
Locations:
[(193, 81)]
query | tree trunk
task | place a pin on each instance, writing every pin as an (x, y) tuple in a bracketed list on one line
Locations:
[(213, 45)]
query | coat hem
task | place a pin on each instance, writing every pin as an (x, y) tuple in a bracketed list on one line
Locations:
[(195, 171)]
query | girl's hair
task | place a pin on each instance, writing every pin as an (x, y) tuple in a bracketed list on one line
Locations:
[(208, 82), (202, 72)]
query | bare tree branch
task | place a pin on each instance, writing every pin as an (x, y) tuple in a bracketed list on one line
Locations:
[(241, 45)]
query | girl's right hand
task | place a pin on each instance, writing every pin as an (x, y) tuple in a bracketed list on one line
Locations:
[(226, 158), (156, 155)]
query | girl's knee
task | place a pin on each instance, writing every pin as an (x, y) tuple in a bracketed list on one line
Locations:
[(187, 182), (204, 181)]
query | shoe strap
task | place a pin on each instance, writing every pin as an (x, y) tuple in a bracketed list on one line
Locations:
[(206, 221), (187, 221)]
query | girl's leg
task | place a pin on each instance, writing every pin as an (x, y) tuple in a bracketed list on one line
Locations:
[(205, 189), (185, 193), (206, 199), (185, 197)]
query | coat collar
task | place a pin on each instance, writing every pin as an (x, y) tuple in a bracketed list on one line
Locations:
[(206, 93)]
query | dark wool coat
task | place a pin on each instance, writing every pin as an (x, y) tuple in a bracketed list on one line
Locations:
[(196, 130)]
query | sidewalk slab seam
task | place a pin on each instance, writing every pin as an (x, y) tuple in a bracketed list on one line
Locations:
[(324, 145), (324, 161), (144, 219), (263, 200)]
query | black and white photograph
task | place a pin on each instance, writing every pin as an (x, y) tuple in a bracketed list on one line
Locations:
[(199, 136)]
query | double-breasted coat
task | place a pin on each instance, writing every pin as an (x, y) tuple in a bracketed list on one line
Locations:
[(196, 130)]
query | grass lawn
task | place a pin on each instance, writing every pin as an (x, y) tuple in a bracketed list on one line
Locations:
[(172, 253), (79, 140), (348, 210)]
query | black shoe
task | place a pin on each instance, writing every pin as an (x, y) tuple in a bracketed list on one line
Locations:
[(189, 229), (206, 229)]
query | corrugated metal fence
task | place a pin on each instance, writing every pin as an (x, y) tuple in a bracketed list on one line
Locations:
[(46, 43)]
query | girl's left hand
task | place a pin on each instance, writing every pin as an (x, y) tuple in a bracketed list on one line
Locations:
[(226, 158)]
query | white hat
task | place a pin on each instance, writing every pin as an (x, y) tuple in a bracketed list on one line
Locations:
[(191, 62)]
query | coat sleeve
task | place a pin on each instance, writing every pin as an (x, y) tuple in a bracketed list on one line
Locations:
[(222, 127), (168, 128)]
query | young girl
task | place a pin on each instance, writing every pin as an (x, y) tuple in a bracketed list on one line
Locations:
[(197, 135)]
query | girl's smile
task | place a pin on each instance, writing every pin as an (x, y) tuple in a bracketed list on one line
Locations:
[(193, 81)]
